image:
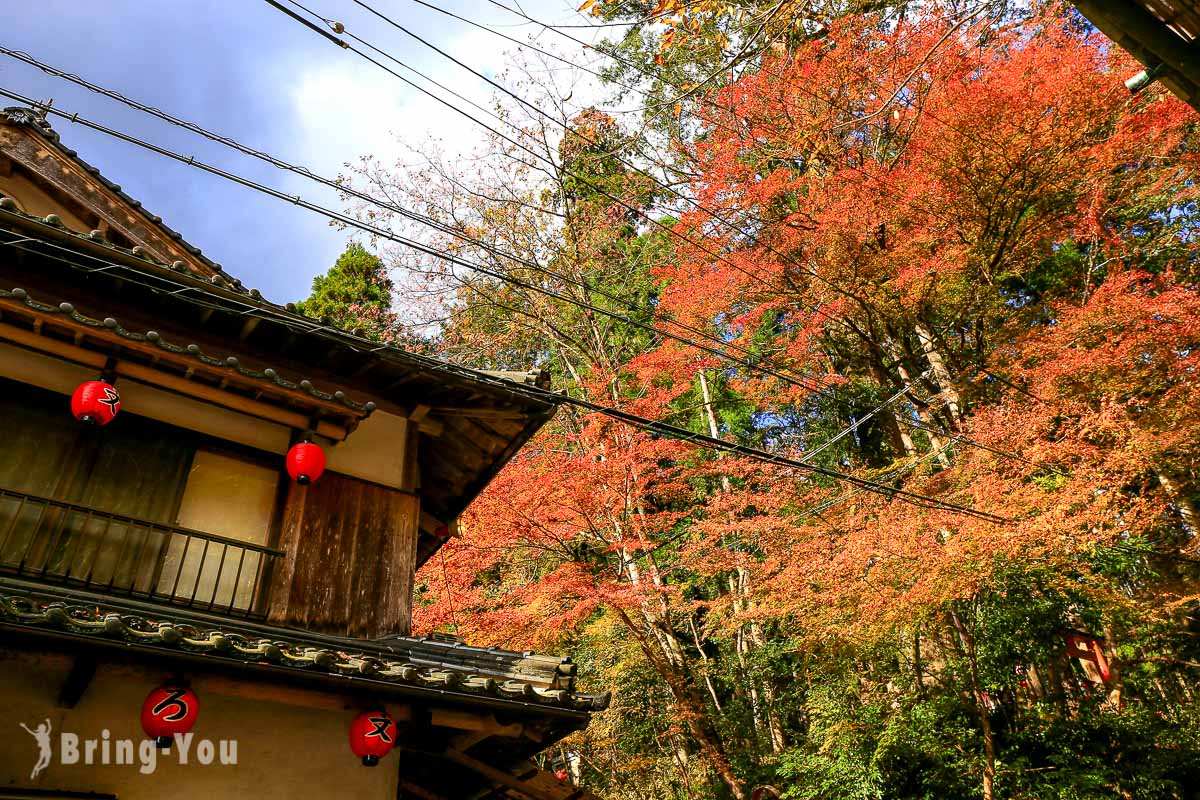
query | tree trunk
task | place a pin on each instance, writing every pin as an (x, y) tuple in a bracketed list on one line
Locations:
[(941, 375), (708, 681), (1183, 506), (747, 636), (981, 706), (690, 708), (713, 431), (902, 443), (1116, 694), (935, 441)]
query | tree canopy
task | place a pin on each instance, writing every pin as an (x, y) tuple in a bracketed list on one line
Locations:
[(941, 249), (355, 295)]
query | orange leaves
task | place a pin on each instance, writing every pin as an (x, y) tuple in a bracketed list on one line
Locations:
[(998, 206)]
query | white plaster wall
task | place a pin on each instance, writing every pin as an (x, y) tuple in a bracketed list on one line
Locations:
[(285, 749)]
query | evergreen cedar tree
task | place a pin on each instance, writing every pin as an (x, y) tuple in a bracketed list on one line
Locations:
[(981, 213), (356, 295)]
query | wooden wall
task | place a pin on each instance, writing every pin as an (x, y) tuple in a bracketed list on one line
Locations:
[(351, 551)]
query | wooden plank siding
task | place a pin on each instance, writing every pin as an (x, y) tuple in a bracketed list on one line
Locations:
[(351, 550)]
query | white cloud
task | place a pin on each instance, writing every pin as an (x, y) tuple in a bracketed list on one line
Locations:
[(345, 107)]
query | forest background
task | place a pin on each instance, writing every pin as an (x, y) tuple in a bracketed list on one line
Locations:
[(936, 246)]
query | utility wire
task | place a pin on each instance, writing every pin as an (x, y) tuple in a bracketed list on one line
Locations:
[(557, 29), (316, 327), (424, 219), (762, 367), (540, 157), (516, 41), (705, 101), (600, 190), (664, 429), (567, 129), (408, 242), (307, 173), (669, 229)]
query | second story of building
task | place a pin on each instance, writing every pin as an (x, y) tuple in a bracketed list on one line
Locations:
[(183, 499)]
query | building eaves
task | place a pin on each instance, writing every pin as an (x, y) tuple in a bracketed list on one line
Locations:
[(136, 259), (417, 663), (32, 118), (268, 375), (1161, 34)]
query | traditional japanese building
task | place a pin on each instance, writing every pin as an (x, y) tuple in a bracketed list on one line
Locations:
[(1161, 34), (169, 546)]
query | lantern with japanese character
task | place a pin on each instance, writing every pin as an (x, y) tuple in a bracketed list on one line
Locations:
[(169, 710), (372, 736), (95, 402), (305, 462)]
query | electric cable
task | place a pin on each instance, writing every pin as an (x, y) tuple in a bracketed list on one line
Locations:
[(406, 213), (669, 229), (648, 425), (425, 220), (406, 241)]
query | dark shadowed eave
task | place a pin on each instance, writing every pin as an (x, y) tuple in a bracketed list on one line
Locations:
[(1162, 34), (488, 416)]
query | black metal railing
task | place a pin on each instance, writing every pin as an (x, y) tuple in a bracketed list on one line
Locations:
[(64, 543)]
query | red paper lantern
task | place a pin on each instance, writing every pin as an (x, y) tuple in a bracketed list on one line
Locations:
[(372, 736), (169, 710), (305, 463), (96, 402)]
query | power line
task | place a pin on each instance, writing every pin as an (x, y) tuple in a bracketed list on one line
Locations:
[(704, 101), (669, 229), (664, 429), (422, 247), (437, 225), (831, 105), (557, 29), (569, 130), (817, 310), (426, 220), (406, 213), (514, 40), (657, 223), (307, 173), (763, 367)]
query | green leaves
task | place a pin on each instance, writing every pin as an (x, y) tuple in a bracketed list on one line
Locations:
[(355, 295)]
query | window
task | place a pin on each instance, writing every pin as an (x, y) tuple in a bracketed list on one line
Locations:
[(233, 498)]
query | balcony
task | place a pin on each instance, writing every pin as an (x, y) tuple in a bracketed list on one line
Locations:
[(52, 541)]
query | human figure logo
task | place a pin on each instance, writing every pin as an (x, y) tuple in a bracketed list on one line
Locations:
[(42, 735)]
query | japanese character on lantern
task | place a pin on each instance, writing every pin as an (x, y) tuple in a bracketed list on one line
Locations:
[(372, 736), (95, 402), (169, 710)]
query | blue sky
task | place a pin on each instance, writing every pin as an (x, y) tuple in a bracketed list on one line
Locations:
[(243, 69)]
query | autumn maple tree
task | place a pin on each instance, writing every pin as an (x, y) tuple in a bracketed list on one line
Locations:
[(944, 251)]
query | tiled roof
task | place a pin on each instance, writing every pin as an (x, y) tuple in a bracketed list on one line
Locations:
[(37, 120), (194, 351), (420, 663)]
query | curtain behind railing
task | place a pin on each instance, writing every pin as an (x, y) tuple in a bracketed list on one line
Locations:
[(133, 466)]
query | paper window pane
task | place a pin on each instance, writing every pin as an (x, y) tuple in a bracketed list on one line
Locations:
[(232, 498)]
